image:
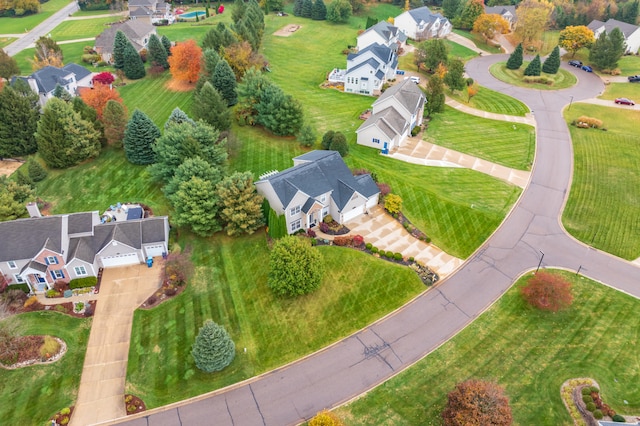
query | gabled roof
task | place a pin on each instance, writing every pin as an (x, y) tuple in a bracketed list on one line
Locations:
[(370, 62), (28, 236), (80, 223), (595, 25), (384, 53), (80, 71), (424, 14), (389, 121), (48, 77), (138, 3), (500, 10), (141, 11), (387, 31), (406, 93), (134, 29), (626, 28), (36, 266)]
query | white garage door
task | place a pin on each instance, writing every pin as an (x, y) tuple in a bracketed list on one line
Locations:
[(351, 214), (120, 260), (154, 251)]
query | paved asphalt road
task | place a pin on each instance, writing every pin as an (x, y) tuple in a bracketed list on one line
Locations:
[(352, 366)]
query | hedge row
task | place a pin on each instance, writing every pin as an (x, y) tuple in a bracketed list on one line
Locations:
[(83, 282)]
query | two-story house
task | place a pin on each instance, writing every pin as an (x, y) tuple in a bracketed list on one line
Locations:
[(368, 69), (394, 114), (422, 24), (630, 32), (150, 11), (382, 33), (137, 31), (507, 12), (318, 184), (70, 77)]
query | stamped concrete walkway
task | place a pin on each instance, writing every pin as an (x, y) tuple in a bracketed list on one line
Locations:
[(101, 393)]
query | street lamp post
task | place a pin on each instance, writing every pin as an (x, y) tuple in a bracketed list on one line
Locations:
[(540, 263), (570, 102)]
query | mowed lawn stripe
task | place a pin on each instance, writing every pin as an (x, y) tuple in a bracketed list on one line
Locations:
[(84, 28)]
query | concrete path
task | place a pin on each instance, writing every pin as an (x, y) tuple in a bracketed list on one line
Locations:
[(611, 104), (463, 41), (505, 43), (528, 119), (102, 385)]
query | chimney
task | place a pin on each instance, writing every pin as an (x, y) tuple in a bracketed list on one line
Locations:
[(33, 210)]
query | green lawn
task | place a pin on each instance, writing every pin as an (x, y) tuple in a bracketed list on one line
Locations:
[(629, 65), (621, 90), (491, 101), (230, 287), (31, 395), (5, 41), (478, 40), (72, 53), (561, 80), (181, 31), (509, 144), (459, 51), (27, 23), (93, 12), (528, 352), (85, 28), (602, 209)]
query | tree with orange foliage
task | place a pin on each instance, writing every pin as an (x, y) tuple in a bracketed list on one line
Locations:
[(548, 292), (475, 402), (472, 90), (490, 24), (98, 97), (184, 62)]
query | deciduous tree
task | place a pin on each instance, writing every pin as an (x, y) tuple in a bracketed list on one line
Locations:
[(98, 97), (470, 12), (551, 65), (435, 52), (240, 205), (209, 106), (574, 38), (295, 268), (515, 59), (224, 80), (241, 57), (490, 24), (157, 53), (548, 292), (339, 143), (18, 123), (534, 17), (104, 78), (184, 62), (47, 53), (13, 199), (8, 66), (213, 349), (476, 402), (114, 120), (435, 96), (450, 8), (140, 136)]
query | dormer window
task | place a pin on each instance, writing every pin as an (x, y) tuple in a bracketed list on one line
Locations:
[(12, 264), (51, 260)]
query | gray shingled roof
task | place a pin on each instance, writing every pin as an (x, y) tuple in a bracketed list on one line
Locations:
[(387, 31), (133, 29), (371, 62), (80, 71), (424, 14), (595, 25), (500, 10), (29, 236), (80, 223), (37, 266), (626, 28), (389, 121), (48, 77), (407, 93)]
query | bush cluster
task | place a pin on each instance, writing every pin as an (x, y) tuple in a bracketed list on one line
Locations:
[(538, 79), (586, 122), (23, 286), (83, 282)]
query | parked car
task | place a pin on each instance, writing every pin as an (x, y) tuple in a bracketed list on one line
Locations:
[(587, 68), (575, 63), (624, 101), (634, 79)]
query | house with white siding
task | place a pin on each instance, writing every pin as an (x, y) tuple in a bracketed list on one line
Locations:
[(422, 24), (630, 32), (368, 69)]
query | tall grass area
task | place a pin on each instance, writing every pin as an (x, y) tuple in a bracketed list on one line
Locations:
[(22, 24), (230, 287), (508, 144), (603, 205), (30, 395), (528, 352), (84, 28), (491, 101)]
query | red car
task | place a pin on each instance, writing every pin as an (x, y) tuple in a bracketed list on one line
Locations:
[(624, 101)]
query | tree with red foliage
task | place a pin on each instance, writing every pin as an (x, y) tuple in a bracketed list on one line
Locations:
[(98, 97), (548, 292), (103, 78), (184, 62), (4, 282), (476, 402)]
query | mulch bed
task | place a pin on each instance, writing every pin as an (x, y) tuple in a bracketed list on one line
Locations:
[(25, 351), (63, 419), (133, 404), (164, 293)]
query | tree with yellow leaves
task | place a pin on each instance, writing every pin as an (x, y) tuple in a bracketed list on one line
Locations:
[(490, 24), (534, 17), (574, 38)]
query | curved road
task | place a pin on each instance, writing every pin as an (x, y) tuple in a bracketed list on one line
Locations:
[(350, 367)]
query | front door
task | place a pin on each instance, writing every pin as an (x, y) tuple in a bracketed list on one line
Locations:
[(385, 148), (41, 283), (313, 220)]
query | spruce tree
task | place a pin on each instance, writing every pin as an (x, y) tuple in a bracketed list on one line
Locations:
[(515, 60), (224, 80), (139, 138), (279, 112), (209, 106), (18, 123), (114, 119), (23, 180), (307, 8), (213, 349), (552, 63), (61, 93), (119, 44), (157, 53), (239, 8), (166, 43), (36, 172), (319, 11), (533, 69), (195, 205), (190, 167), (297, 7), (307, 135), (178, 116), (133, 66)]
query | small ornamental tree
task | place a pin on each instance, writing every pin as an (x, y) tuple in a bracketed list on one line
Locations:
[(114, 120), (339, 11), (515, 59), (339, 143), (319, 11), (307, 136), (8, 66), (435, 96), (327, 138), (548, 292), (325, 418), (574, 38), (184, 62), (139, 138), (476, 402), (552, 63), (213, 349), (103, 78), (98, 97), (533, 69), (454, 78), (393, 203), (36, 172), (295, 268)]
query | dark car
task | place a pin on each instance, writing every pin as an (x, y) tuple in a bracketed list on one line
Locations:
[(624, 101), (634, 79), (574, 63), (587, 68)]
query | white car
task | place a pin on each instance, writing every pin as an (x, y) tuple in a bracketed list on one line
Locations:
[(415, 79)]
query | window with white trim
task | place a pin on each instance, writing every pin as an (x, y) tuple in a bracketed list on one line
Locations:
[(295, 225), (18, 279), (80, 271), (51, 260), (12, 264), (57, 274), (294, 211)]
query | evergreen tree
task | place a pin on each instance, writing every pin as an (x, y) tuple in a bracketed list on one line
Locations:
[(370, 22), (339, 143), (139, 139), (224, 81), (64, 138), (178, 116), (194, 166), (319, 11), (515, 59), (209, 106), (552, 63), (454, 78), (533, 69), (36, 172), (213, 349), (278, 112), (295, 268), (195, 205), (114, 120), (339, 11), (18, 123), (450, 8), (327, 138), (598, 55), (210, 59), (119, 44), (157, 53), (13, 198), (89, 114), (133, 65), (8, 66), (618, 47), (307, 136), (23, 179), (239, 8), (166, 43), (61, 93), (297, 7), (307, 8), (435, 96), (240, 205)]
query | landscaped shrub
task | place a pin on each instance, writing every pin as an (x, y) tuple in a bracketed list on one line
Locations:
[(88, 311), (327, 219), (368, 246), (587, 399), (594, 389), (23, 286), (618, 418), (397, 256), (30, 301), (598, 414), (384, 189), (548, 292), (587, 391), (323, 227), (311, 233), (325, 418), (213, 349), (390, 254), (49, 347), (393, 203), (343, 241), (358, 240), (83, 282), (52, 293), (415, 131), (65, 411), (591, 406), (585, 122), (374, 249)]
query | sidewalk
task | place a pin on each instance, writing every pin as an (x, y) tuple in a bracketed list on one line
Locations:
[(610, 103), (527, 119), (466, 43)]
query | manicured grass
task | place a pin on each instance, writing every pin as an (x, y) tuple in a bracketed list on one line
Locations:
[(72, 53), (459, 51), (549, 42), (85, 28), (561, 80), (181, 31), (27, 23), (31, 395), (230, 287), (93, 12), (509, 144), (528, 352), (602, 209), (5, 41), (479, 41), (491, 101), (621, 90), (629, 65)]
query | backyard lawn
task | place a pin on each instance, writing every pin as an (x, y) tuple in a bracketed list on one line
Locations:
[(23, 24), (229, 287), (72, 54), (491, 101), (31, 395), (508, 144), (561, 80), (528, 352), (84, 28), (602, 209)]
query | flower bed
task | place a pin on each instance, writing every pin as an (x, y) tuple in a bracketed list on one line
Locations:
[(133, 404)]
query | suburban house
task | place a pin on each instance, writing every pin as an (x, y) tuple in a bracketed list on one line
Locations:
[(422, 24), (137, 31), (368, 69), (394, 114), (71, 77), (318, 184), (43, 249), (631, 32), (382, 33), (150, 11), (507, 12)]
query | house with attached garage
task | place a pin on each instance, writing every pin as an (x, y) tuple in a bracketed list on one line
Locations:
[(422, 24), (43, 249), (394, 114), (138, 32), (70, 77), (368, 69), (318, 184), (382, 33), (630, 32)]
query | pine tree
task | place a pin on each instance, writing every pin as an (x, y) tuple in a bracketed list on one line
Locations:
[(515, 60), (240, 204), (178, 116), (191, 167), (307, 8), (552, 63), (36, 172), (157, 53), (114, 120), (209, 106), (224, 80), (133, 65), (618, 47), (166, 43), (139, 138), (23, 179), (297, 7), (213, 349), (319, 11), (533, 69), (307, 136), (61, 93), (119, 44), (18, 122), (278, 112), (239, 9)]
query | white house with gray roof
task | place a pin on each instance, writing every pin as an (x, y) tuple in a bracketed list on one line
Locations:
[(41, 250), (368, 69), (318, 184), (382, 33), (70, 77), (507, 12), (422, 24), (394, 114), (630, 32), (138, 32)]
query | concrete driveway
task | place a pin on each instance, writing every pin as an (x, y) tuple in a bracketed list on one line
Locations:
[(101, 393)]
